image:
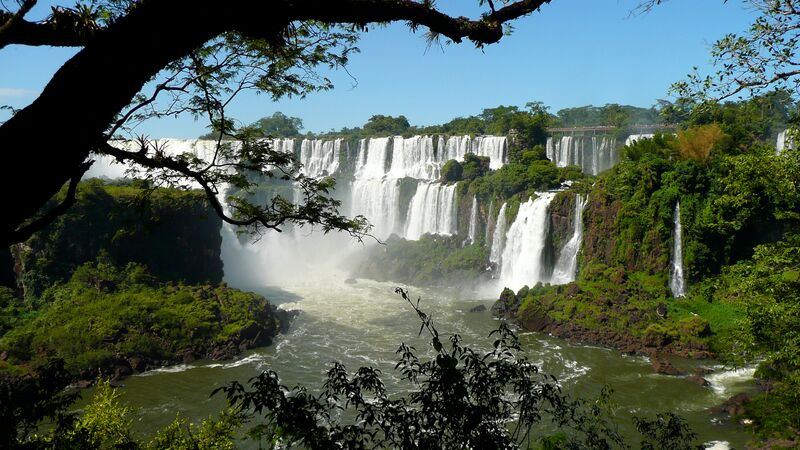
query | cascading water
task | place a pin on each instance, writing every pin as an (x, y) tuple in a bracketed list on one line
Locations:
[(494, 147), (432, 210), (522, 260), (414, 157), (566, 267), (592, 154), (785, 140), (677, 281), (632, 139), (473, 221), (499, 237), (321, 157), (486, 232)]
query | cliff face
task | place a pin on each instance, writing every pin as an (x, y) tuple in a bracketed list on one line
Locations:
[(174, 233)]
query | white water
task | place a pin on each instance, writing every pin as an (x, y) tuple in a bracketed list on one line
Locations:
[(677, 281), (372, 156), (495, 147), (785, 140), (499, 237), (414, 157), (566, 267), (725, 382), (321, 157), (473, 221), (522, 262), (379, 201), (637, 137), (592, 154), (432, 210)]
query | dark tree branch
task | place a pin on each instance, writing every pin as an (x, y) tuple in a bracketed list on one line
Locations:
[(24, 233), (118, 60)]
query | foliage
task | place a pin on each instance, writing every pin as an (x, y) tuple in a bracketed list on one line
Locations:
[(105, 424), (380, 125), (174, 232), (697, 143), (429, 261), (105, 315), (452, 171), (26, 401), (754, 62), (210, 434)]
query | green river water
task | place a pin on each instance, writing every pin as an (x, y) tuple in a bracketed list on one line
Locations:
[(363, 324)]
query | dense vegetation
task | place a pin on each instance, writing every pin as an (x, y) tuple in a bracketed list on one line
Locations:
[(110, 321), (174, 232)]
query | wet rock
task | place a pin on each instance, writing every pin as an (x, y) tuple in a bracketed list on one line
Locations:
[(120, 371), (83, 384), (701, 371), (661, 310), (137, 364), (697, 379), (350, 281), (665, 367), (479, 308), (734, 405)]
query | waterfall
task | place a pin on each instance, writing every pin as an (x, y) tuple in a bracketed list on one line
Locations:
[(592, 154), (494, 147), (499, 237), (785, 140), (432, 210), (486, 231), (677, 281), (379, 201), (632, 139), (372, 157), (320, 157), (566, 267), (522, 260), (413, 157), (473, 221)]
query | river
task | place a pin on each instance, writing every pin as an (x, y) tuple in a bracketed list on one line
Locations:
[(363, 324)]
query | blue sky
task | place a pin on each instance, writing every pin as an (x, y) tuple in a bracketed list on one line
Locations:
[(572, 53)]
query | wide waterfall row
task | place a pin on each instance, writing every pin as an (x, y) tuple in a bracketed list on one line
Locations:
[(417, 157), (321, 157), (593, 154)]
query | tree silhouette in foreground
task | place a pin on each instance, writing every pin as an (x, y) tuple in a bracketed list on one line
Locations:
[(143, 59)]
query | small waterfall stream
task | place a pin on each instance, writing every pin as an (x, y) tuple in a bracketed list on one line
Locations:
[(473, 221), (677, 281), (566, 267), (499, 237)]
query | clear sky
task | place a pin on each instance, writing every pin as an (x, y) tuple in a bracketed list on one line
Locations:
[(572, 53)]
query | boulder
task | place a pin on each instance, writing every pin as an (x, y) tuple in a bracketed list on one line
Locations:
[(479, 308), (665, 367)]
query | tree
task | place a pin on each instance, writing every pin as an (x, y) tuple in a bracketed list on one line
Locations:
[(380, 124), (759, 60), (196, 59), (278, 125)]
